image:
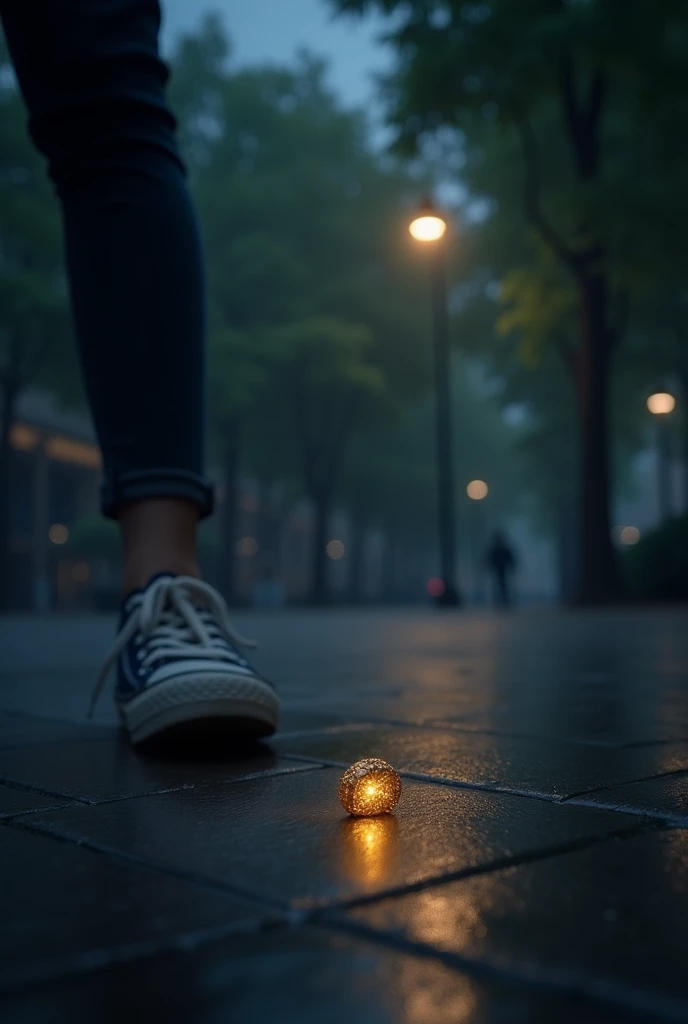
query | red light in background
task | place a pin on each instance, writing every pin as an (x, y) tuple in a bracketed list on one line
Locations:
[(435, 587)]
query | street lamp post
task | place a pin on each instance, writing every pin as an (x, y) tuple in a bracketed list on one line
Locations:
[(430, 228), (477, 491), (661, 404)]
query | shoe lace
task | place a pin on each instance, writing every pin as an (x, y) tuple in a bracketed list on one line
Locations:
[(166, 608)]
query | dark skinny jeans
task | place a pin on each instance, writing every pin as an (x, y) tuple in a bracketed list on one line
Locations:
[(94, 86)]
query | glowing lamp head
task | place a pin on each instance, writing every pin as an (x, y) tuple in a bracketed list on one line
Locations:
[(661, 403), (477, 490), (428, 227), (369, 787)]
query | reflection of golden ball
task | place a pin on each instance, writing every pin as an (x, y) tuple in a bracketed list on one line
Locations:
[(370, 786)]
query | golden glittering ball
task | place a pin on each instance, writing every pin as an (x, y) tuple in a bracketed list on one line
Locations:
[(369, 787)]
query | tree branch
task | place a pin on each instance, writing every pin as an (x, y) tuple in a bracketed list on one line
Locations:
[(599, 88), (531, 199)]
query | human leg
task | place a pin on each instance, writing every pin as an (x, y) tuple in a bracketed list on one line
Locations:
[(94, 86)]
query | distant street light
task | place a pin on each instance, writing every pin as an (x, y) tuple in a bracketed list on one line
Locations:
[(661, 404), (477, 491), (430, 228)]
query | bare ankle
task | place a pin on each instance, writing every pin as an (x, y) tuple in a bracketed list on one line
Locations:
[(158, 535)]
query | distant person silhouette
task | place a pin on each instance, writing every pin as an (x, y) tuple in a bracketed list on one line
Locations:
[(501, 561)]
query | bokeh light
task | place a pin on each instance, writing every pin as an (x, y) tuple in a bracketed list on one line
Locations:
[(58, 533), (435, 587), (629, 534), (248, 547), (428, 228), (477, 490), (661, 403), (335, 550)]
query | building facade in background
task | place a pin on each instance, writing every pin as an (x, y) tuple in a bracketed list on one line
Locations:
[(55, 491)]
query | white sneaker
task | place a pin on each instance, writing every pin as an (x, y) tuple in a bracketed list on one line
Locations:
[(179, 667)]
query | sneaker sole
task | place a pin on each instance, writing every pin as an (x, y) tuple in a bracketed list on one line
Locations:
[(246, 708)]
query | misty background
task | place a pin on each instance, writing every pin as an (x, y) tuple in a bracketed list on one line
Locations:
[(320, 307)]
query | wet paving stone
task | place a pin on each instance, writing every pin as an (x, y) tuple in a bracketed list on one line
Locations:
[(287, 837), (111, 769), (491, 906), (615, 914), (303, 975), (64, 907), (613, 722), (544, 768)]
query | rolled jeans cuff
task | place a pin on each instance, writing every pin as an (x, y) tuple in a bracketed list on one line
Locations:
[(138, 485)]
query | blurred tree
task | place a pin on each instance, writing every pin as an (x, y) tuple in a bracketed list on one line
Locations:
[(327, 386), (562, 81), (35, 338), (302, 225)]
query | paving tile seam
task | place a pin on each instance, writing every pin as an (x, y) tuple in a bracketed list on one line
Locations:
[(618, 785), (488, 867), (118, 797), (440, 780), (156, 866), (667, 818), (8, 816), (27, 787), (438, 725), (47, 971), (596, 989), (302, 912)]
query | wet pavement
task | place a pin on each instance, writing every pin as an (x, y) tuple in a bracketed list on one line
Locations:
[(536, 868)]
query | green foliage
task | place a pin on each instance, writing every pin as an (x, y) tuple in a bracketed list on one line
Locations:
[(564, 118), (35, 336), (657, 566), (326, 387), (311, 292), (539, 307)]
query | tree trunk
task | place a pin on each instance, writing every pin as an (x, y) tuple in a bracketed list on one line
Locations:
[(566, 534), (9, 399), (683, 381), (599, 580), (321, 522), (389, 568), (231, 460), (356, 558)]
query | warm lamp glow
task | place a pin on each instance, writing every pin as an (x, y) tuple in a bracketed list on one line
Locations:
[(629, 534), (477, 490), (335, 550), (369, 787), (661, 403), (247, 547), (428, 228), (435, 587), (58, 533)]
